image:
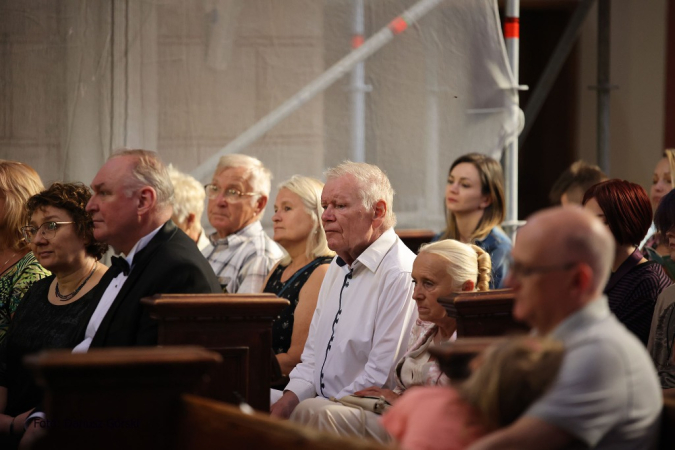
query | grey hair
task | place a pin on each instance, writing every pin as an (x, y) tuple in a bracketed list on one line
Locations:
[(148, 170), (373, 186), (188, 195), (309, 191), (463, 262), (259, 177)]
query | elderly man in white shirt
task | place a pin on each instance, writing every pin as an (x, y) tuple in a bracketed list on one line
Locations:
[(240, 252), (365, 307)]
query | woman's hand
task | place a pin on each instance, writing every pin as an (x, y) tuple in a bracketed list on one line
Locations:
[(375, 391)]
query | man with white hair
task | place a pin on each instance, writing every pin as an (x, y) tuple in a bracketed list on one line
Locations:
[(240, 252), (365, 309), (188, 206), (607, 394)]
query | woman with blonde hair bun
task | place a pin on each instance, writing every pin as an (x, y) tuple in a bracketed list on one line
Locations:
[(440, 269)]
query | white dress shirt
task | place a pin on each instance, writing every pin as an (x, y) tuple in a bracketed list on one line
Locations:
[(361, 324), (109, 295)]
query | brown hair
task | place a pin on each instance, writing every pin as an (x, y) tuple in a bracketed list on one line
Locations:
[(492, 185), (72, 198), (18, 182), (514, 373)]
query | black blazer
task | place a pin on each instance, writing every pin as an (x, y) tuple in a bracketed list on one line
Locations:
[(170, 264)]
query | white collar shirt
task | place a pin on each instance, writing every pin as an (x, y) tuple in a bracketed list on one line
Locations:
[(110, 294), (361, 324)]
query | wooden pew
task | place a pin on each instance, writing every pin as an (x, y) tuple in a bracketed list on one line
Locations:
[(414, 238), (485, 313), (117, 398), (135, 399), (238, 327)]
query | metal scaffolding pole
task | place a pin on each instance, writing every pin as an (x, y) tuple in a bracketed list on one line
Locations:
[(603, 86), (512, 38), (358, 89), (319, 84)]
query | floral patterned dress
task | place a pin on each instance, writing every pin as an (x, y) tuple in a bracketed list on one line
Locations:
[(14, 283)]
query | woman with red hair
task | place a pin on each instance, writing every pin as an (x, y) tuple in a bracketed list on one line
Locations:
[(635, 283)]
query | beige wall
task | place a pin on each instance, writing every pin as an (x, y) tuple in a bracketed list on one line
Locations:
[(638, 36)]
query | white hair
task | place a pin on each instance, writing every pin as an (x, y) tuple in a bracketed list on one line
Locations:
[(259, 177), (309, 191), (463, 262), (188, 195), (373, 186)]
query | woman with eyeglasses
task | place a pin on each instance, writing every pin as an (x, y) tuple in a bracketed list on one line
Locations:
[(18, 266), (51, 315), (299, 274), (635, 282)]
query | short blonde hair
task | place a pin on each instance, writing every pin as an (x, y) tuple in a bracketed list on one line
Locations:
[(309, 191), (513, 374), (18, 183), (463, 262), (148, 170), (373, 186), (669, 154), (188, 195)]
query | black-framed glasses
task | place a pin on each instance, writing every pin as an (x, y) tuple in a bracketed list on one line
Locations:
[(520, 270), (47, 230), (232, 195)]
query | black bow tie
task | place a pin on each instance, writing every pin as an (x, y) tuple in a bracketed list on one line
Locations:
[(120, 265)]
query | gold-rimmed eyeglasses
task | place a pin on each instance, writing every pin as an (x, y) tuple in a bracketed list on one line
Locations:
[(231, 194), (47, 230)]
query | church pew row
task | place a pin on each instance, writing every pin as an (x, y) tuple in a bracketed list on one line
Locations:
[(485, 313), (136, 398), (237, 326)]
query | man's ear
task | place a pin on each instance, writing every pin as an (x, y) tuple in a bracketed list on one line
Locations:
[(468, 285), (147, 199), (379, 212), (190, 220), (583, 277), (260, 204)]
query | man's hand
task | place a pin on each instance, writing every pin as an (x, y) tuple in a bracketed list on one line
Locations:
[(375, 391), (285, 406)]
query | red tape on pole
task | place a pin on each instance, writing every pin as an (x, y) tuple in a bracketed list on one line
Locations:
[(398, 25), (512, 28), (357, 41)]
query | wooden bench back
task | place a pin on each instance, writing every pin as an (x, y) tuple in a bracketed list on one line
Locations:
[(485, 313), (237, 326)]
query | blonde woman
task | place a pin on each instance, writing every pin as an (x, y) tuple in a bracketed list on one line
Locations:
[(18, 267), (662, 183), (440, 268), (474, 202), (299, 274), (511, 376)]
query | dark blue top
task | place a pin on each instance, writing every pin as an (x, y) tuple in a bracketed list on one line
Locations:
[(498, 245)]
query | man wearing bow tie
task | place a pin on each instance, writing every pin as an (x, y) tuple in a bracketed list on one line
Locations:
[(131, 208)]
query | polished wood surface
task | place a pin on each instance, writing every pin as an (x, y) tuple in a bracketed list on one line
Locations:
[(415, 238), (484, 313), (237, 326)]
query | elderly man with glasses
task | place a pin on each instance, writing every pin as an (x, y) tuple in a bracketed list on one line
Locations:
[(240, 252), (607, 394)]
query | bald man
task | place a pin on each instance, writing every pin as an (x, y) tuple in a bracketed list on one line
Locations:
[(607, 394)]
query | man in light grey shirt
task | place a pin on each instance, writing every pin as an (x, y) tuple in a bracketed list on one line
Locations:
[(607, 394)]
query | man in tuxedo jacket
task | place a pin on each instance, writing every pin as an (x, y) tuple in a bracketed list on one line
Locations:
[(131, 208)]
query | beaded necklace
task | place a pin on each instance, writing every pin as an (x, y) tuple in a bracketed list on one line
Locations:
[(65, 298)]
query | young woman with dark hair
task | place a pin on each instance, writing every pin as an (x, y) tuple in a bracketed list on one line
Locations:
[(475, 207), (635, 283)]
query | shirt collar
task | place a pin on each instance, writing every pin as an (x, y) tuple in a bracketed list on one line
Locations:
[(374, 254), (142, 242), (596, 310), (248, 231)]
